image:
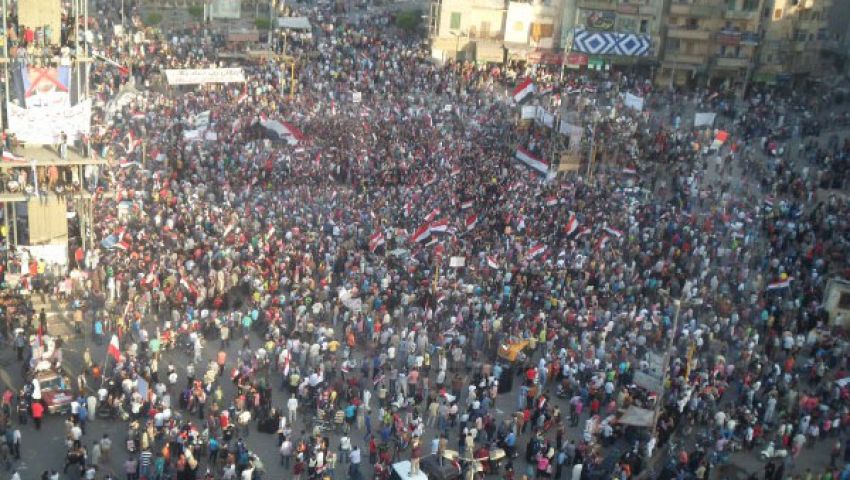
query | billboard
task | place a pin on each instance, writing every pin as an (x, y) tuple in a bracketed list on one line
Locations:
[(226, 9), (597, 19)]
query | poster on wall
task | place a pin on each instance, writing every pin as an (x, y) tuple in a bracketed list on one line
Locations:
[(597, 19), (226, 9), (44, 126)]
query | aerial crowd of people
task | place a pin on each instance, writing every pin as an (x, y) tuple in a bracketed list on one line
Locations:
[(363, 272)]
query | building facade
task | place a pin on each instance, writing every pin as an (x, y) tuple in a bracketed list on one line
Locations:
[(710, 41), (616, 32), (795, 36)]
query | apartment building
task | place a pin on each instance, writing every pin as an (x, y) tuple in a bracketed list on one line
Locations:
[(710, 41), (796, 34), (616, 32), (496, 31)]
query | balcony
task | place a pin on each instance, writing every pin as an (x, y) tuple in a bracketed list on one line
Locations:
[(597, 4), (731, 62), (684, 58), (688, 33), (740, 15), (691, 10)]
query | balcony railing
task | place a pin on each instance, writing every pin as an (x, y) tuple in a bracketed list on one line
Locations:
[(740, 15), (688, 33), (693, 59), (692, 10), (731, 62)]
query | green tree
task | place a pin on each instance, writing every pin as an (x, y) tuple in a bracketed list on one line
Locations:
[(409, 20), (153, 19), (196, 11)]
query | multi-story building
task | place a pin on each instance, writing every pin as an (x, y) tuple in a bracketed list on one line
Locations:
[(795, 34), (496, 31), (711, 41), (615, 32)]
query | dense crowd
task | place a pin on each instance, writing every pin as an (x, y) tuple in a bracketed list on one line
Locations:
[(327, 261)]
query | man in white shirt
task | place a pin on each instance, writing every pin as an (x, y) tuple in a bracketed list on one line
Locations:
[(292, 406)]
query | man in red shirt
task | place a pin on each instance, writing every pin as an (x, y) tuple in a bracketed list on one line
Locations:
[(37, 414)]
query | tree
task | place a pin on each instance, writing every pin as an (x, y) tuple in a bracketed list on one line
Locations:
[(409, 20)]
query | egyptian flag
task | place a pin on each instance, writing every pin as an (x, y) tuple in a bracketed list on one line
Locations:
[(582, 231), (114, 350), (572, 225), (546, 90), (11, 157), (492, 262), (422, 233), (523, 90), (430, 181), (376, 241), (466, 204), (440, 226), (603, 242), (408, 208), (531, 160), (535, 251), (455, 170), (137, 115), (630, 171), (471, 221), (431, 216), (132, 142), (123, 246), (779, 284), (551, 201), (614, 232)]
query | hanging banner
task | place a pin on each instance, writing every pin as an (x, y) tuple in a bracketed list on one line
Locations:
[(633, 101), (528, 112), (44, 126), (705, 119), (543, 117), (197, 76)]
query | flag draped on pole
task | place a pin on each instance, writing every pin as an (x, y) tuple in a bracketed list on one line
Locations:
[(376, 241), (422, 233), (523, 90), (492, 262), (603, 242), (431, 216), (114, 350), (440, 226), (471, 221), (535, 251), (572, 225), (779, 284), (531, 160), (614, 232)]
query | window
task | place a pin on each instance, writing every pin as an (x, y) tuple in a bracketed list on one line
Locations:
[(766, 12), (752, 6), (455, 24), (672, 45), (692, 24), (731, 4), (777, 14), (723, 50), (644, 26), (542, 30), (485, 29)]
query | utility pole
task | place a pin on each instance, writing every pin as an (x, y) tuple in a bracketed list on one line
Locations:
[(665, 366)]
